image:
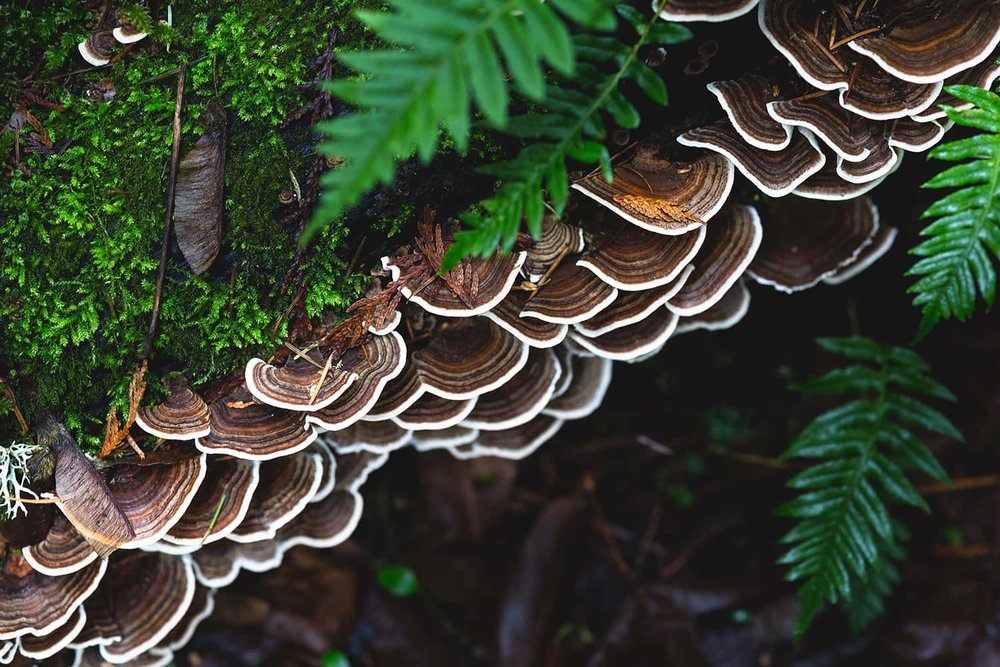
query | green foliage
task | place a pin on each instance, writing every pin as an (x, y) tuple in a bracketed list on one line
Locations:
[(845, 541), (569, 125), (398, 580), (82, 233), (962, 244), (443, 56)]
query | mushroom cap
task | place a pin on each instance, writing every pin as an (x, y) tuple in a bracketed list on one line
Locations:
[(523, 397), (877, 95), (454, 436), (182, 416), (325, 524), (558, 238), (745, 101), (100, 626), (732, 242), (565, 359), (63, 551), (983, 75), (633, 341), (826, 184), (38, 604), (127, 34), (286, 486), (591, 377), (775, 173), (220, 505), (847, 134), (631, 259), (727, 311), (433, 413), (155, 497), (934, 39), (530, 330), (150, 594), (375, 437), (217, 565), (246, 429), (383, 359), (632, 307), (301, 384), (914, 136), (46, 646), (488, 281), (880, 162), (468, 357), (398, 394), (512, 443), (390, 325), (704, 10), (788, 25), (881, 243), (662, 195), (808, 241), (573, 294), (98, 48)]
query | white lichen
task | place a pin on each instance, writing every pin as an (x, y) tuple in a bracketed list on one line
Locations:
[(14, 479)]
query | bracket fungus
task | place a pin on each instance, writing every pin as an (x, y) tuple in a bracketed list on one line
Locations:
[(182, 416), (246, 429)]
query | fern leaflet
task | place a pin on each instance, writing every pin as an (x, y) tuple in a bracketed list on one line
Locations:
[(957, 257), (572, 126), (447, 53), (845, 541)]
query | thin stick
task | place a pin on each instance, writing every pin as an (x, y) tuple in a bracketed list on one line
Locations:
[(545, 277), (961, 484), (850, 38), (32, 501), (175, 157), (322, 378), (13, 402)]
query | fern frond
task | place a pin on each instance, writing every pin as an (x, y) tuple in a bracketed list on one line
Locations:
[(964, 241), (571, 126), (445, 54), (845, 541)]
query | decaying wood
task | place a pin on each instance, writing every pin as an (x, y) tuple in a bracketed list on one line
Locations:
[(85, 498), (199, 196)]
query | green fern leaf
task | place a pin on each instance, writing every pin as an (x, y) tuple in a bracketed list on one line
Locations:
[(844, 544), (961, 246), (444, 53), (572, 126)]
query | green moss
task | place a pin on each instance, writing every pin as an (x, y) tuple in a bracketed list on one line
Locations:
[(81, 235)]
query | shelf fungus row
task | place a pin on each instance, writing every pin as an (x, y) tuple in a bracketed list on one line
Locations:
[(864, 84)]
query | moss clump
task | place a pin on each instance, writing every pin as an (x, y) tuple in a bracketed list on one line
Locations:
[(81, 234)]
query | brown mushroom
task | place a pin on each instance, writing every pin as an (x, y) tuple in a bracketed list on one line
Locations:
[(433, 413), (38, 604), (632, 307), (704, 10), (530, 330), (512, 443), (286, 486), (399, 393), (220, 505), (302, 384), (660, 194), (805, 242), (726, 312), (521, 399), (98, 48), (46, 646), (983, 75), (62, 552), (558, 238), (590, 379), (246, 429), (881, 243), (151, 593), (849, 135), (633, 341), (932, 40), (631, 259), (449, 438), (217, 565), (880, 162), (915, 137), (376, 437), (745, 101), (775, 173), (573, 294), (182, 416), (732, 242)]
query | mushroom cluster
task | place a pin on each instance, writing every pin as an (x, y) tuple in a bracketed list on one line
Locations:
[(493, 357)]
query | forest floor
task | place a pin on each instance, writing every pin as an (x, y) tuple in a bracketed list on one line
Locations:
[(646, 534)]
